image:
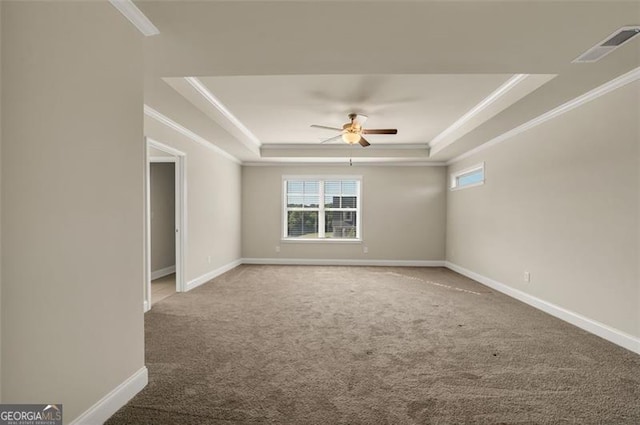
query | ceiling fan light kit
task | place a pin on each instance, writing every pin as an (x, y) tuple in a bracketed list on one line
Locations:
[(351, 137), (351, 132)]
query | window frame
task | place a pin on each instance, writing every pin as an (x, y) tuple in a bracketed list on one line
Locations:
[(457, 175), (321, 179)]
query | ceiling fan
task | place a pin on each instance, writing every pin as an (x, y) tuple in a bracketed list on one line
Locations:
[(352, 132)]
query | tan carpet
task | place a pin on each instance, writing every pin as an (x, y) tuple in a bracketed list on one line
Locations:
[(372, 345)]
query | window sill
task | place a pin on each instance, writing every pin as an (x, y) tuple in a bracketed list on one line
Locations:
[(325, 240)]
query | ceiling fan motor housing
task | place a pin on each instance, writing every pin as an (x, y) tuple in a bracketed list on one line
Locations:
[(352, 127)]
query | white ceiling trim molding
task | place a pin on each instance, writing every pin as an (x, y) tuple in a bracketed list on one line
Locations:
[(136, 17), (344, 162), (601, 90), (484, 104), (226, 113), (344, 146), (152, 113)]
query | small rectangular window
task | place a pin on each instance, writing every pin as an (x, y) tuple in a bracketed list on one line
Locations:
[(469, 177), (321, 208)]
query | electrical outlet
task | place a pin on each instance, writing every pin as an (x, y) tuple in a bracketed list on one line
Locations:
[(277, 248), (527, 277), (209, 259), (365, 249)]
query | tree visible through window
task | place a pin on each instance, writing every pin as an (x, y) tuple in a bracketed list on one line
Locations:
[(322, 209)]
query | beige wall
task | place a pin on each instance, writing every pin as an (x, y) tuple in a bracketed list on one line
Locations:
[(562, 202), (163, 217), (72, 176), (151, 152), (0, 199), (213, 202), (403, 214)]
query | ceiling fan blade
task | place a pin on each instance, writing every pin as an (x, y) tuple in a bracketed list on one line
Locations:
[(339, 136), (326, 127), (380, 131), (363, 142), (360, 119)]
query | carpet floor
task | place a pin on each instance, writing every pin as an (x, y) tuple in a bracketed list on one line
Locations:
[(372, 345)]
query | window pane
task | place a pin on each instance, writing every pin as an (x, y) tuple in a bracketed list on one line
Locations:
[(340, 201), (311, 201), (348, 202), (349, 187), (311, 187), (332, 188), (302, 224), (328, 201), (294, 201), (304, 195), (471, 178), (294, 187), (331, 201), (340, 224)]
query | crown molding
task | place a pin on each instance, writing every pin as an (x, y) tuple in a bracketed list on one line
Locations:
[(135, 16), (601, 90), (344, 146), (484, 104), (251, 138), (152, 113), (343, 162)]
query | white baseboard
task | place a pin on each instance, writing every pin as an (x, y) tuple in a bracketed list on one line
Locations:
[(309, 262), (343, 262), (212, 274), (613, 335), (118, 397), (163, 272)]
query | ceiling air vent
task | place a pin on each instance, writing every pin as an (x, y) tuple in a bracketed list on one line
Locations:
[(609, 44)]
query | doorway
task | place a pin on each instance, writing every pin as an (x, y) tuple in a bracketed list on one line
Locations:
[(165, 222)]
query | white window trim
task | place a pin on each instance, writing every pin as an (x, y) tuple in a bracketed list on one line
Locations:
[(455, 176), (283, 203)]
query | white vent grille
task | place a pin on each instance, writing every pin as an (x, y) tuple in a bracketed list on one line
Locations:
[(609, 44)]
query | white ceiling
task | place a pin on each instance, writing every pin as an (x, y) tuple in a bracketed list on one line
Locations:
[(280, 109), (417, 66)]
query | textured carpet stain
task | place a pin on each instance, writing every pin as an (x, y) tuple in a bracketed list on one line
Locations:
[(372, 345)]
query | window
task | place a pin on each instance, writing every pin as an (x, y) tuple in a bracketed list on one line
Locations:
[(468, 177), (326, 208)]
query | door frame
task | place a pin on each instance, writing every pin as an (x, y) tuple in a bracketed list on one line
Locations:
[(179, 158)]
